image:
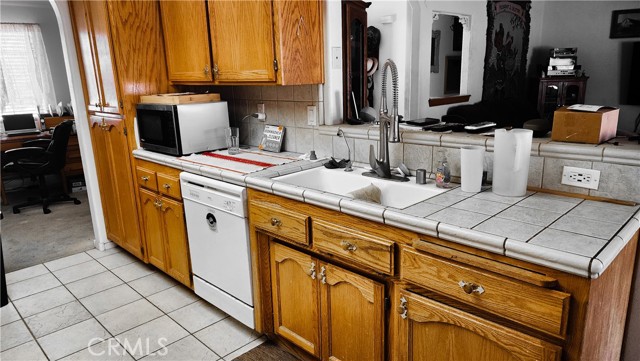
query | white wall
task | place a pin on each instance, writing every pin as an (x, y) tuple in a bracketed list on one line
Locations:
[(586, 25), (41, 12)]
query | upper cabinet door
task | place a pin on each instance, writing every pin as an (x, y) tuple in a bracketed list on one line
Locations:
[(186, 39), (102, 37), (85, 50), (298, 29), (242, 40)]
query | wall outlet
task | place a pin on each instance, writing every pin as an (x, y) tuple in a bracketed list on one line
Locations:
[(581, 177), (260, 108), (312, 115)]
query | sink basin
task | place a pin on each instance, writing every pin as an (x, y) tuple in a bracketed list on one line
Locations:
[(337, 181)]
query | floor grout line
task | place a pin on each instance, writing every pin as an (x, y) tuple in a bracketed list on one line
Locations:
[(109, 333)]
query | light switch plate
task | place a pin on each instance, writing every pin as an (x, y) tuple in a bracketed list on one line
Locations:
[(581, 177), (336, 57), (312, 115)]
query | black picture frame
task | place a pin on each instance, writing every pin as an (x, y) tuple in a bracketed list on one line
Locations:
[(625, 24)]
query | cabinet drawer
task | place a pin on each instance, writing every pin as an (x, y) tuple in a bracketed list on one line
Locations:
[(147, 178), (370, 251), (169, 186), (544, 309), (278, 221)]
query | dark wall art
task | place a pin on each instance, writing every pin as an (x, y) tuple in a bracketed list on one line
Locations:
[(505, 59), (625, 24)]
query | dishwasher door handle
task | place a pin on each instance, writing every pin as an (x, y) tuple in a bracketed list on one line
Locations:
[(212, 221)]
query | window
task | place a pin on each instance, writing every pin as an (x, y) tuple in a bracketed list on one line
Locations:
[(25, 75)]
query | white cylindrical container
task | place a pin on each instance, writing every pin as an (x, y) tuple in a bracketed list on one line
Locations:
[(511, 154), (471, 164)]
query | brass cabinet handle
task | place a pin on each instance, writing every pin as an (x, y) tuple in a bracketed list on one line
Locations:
[(348, 246), (166, 186), (470, 288), (145, 178), (215, 71), (323, 275), (276, 222), (206, 69), (158, 203), (312, 271), (402, 309)]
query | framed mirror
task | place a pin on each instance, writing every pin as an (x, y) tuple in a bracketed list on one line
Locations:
[(448, 47)]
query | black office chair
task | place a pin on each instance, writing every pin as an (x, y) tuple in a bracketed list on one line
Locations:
[(40, 158)]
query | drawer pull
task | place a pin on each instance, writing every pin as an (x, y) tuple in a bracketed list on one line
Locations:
[(145, 178), (348, 246), (276, 222), (312, 271), (402, 309), (323, 275), (166, 186), (158, 203), (470, 288)]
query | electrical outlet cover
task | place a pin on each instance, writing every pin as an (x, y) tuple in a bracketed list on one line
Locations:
[(261, 108), (581, 177)]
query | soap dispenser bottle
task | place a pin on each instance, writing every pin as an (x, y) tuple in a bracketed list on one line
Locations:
[(443, 174)]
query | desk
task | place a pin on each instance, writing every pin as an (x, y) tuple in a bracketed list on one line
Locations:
[(73, 163)]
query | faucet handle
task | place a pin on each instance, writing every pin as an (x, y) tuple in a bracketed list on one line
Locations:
[(372, 157)]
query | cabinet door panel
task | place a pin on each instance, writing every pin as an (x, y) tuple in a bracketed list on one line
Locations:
[(186, 39), (108, 192), (353, 316), (122, 179), (242, 40), (176, 240), (434, 331), (153, 226), (109, 86), (84, 41), (297, 25), (295, 297)]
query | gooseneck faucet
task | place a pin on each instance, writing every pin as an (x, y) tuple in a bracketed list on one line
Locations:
[(389, 125)]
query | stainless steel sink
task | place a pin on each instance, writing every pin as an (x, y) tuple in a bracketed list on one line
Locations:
[(336, 181)]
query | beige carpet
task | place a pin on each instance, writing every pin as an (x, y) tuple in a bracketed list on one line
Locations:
[(32, 237)]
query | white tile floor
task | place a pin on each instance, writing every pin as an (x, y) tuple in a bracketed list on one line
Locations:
[(110, 306)]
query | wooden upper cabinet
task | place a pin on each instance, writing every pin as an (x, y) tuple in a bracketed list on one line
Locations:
[(257, 41), (103, 56), (84, 44), (299, 41), (242, 40), (186, 39), (94, 41)]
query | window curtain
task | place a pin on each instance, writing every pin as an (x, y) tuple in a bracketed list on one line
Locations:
[(25, 75)]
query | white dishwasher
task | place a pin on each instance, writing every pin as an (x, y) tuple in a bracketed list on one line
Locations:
[(218, 230)]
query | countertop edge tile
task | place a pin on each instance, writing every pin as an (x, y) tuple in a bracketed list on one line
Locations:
[(322, 199), (469, 237), (409, 222), (365, 210), (260, 183), (548, 257), (606, 256), (288, 191)]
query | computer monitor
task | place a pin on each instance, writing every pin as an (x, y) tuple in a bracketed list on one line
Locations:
[(19, 123)]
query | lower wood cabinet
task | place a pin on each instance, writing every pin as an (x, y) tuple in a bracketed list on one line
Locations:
[(163, 222), (429, 330), (117, 192), (326, 310)]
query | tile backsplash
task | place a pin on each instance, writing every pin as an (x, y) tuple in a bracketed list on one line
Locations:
[(287, 106)]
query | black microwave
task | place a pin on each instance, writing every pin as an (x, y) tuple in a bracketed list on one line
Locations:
[(180, 129)]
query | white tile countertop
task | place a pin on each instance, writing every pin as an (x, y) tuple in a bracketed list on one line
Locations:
[(581, 237)]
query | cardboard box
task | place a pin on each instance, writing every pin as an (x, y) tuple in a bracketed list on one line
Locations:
[(584, 127)]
